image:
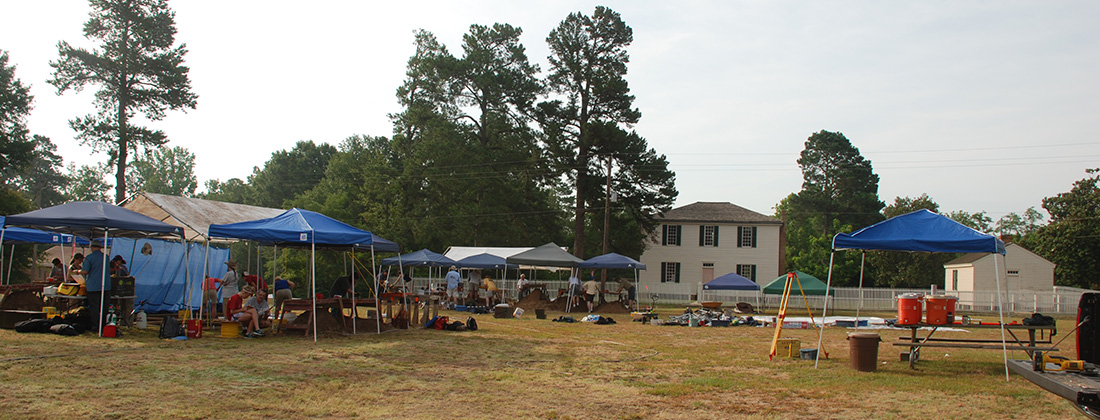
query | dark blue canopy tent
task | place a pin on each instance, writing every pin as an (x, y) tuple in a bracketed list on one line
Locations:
[(421, 258), (731, 281), (919, 231), (17, 235), (485, 260), (94, 219), (613, 260), (301, 229)]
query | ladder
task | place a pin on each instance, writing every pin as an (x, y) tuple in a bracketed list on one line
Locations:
[(792, 278)]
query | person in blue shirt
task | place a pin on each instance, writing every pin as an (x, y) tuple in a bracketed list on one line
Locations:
[(453, 278), (96, 284)]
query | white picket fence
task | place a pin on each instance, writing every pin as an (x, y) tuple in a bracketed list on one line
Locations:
[(1061, 300)]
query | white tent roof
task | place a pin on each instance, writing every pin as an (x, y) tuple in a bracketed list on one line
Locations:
[(195, 215), (459, 252)]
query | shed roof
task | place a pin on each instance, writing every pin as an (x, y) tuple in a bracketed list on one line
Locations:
[(195, 214), (716, 212)]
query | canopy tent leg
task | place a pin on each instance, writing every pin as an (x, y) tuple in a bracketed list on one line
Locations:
[(1001, 311), (274, 264), (354, 307), (377, 295), (2, 232), (825, 308), (102, 283), (862, 259), (313, 280), (11, 259)]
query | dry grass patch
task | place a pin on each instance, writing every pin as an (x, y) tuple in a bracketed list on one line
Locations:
[(510, 368)]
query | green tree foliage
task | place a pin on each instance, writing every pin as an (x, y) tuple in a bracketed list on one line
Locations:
[(88, 183), (979, 221), (232, 190), (137, 69), (641, 182), (16, 149), (165, 171), (289, 173), (588, 63), (14, 202), (839, 194), (465, 164), (42, 181), (908, 269), (1072, 237), (1017, 226)]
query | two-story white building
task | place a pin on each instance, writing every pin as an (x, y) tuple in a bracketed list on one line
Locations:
[(698, 242)]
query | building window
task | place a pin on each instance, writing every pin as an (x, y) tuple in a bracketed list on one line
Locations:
[(746, 236), (671, 235), (747, 271), (708, 235), (1014, 273), (954, 279), (670, 272)]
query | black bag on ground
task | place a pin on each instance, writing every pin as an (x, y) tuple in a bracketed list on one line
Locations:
[(170, 328), (1039, 320), (34, 325), (455, 326), (64, 329), (471, 324)]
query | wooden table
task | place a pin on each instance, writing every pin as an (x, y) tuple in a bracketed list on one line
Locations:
[(1029, 344)]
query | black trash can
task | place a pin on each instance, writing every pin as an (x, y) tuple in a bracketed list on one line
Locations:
[(540, 313), (863, 349)]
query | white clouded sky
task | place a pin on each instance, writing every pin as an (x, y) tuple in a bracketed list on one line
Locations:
[(985, 106)]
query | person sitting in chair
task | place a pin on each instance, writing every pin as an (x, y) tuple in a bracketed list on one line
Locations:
[(235, 311), (257, 314)]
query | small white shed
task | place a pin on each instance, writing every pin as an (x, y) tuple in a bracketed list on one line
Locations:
[(1023, 269)]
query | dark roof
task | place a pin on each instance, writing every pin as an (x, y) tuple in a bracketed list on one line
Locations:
[(716, 212), (967, 258)]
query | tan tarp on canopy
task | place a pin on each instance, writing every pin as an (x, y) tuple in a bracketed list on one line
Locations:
[(194, 214)]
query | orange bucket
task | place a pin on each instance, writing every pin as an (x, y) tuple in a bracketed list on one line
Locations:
[(909, 309), (941, 310), (194, 328)]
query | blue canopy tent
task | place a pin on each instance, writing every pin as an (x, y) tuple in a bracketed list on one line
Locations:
[(93, 219), (613, 260), (17, 235), (421, 258), (919, 231), (731, 281), (303, 228)]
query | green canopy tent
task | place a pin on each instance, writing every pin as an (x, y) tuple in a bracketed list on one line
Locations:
[(811, 285)]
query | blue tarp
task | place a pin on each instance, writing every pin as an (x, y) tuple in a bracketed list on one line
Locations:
[(297, 227), (160, 277), (422, 258), (731, 281), (91, 219), (612, 260), (485, 260), (921, 231)]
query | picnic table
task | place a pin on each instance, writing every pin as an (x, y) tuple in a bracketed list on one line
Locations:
[(1037, 335)]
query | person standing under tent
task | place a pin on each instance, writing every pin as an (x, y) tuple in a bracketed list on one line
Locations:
[(118, 267), (453, 278), (521, 287), (574, 289), (488, 290), (473, 286), (230, 285), (57, 273), (591, 289), (95, 283), (625, 284), (282, 293), (210, 288), (76, 264)]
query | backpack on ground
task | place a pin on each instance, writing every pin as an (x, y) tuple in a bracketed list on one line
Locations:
[(170, 328), (471, 324)]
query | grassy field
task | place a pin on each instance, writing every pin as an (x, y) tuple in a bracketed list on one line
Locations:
[(509, 368)]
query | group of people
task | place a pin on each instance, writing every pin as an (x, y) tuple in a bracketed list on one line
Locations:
[(474, 288), (591, 288), (247, 304)]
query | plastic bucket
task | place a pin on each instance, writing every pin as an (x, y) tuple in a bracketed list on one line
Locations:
[(194, 328), (863, 349), (230, 329), (808, 354), (110, 331), (909, 309), (540, 314), (941, 310)]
